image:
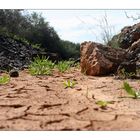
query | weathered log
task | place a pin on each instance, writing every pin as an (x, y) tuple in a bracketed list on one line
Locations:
[(97, 59)]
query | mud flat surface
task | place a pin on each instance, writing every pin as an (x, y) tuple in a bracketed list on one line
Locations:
[(42, 103)]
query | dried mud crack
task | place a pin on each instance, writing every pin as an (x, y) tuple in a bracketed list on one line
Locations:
[(32, 103)]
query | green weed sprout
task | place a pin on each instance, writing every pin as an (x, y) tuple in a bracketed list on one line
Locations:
[(103, 104), (63, 66), (134, 94), (69, 84), (41, 66), (37, 46), (4, 79)]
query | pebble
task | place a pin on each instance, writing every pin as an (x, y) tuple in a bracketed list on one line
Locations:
[(14, 73)]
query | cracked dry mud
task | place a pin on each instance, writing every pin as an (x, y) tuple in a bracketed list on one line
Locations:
[(42, 103)]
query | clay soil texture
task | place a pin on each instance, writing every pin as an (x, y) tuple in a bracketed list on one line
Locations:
[(43, 103)]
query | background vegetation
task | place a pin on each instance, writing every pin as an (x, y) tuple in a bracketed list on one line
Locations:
[(35, 30)]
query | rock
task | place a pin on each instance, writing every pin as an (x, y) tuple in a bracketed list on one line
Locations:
[(128, 70), (134, 46), (97, 59), (129, 67), (16, 54), (134, 53), (138, 65), (127, 36), (14, 73), (129, 39)]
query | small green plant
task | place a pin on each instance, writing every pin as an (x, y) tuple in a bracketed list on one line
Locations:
[(21, 39), (37, 46), (134, 94), (4, 79), (103, 104), (69, 84), (63, 66), (41, 66)]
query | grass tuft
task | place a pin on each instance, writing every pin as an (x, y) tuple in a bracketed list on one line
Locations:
[(4, 79), (41, 66), (64, 66), (69, 84)]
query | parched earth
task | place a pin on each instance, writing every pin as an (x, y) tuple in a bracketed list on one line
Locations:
[(42, 103)]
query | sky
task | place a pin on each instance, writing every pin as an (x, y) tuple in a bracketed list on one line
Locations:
[(87, 25)]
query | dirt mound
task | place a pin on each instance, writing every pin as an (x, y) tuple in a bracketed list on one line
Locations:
[(42, 103)]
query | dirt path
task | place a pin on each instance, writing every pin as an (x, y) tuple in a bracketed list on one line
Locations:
[(42, 103)]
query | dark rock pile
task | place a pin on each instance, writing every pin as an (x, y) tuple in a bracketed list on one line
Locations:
[(127, 36), (129, 40), (16, 54)]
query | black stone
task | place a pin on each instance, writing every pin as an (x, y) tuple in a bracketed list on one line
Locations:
[(128, 67), (14, 73)]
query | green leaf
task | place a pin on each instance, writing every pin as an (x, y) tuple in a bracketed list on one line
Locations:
[(4, 79), (129, 89), (69, 84), (102, 103), (138, 94)]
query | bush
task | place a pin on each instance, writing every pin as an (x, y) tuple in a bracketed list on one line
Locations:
[(69, 50), (33, 29)]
